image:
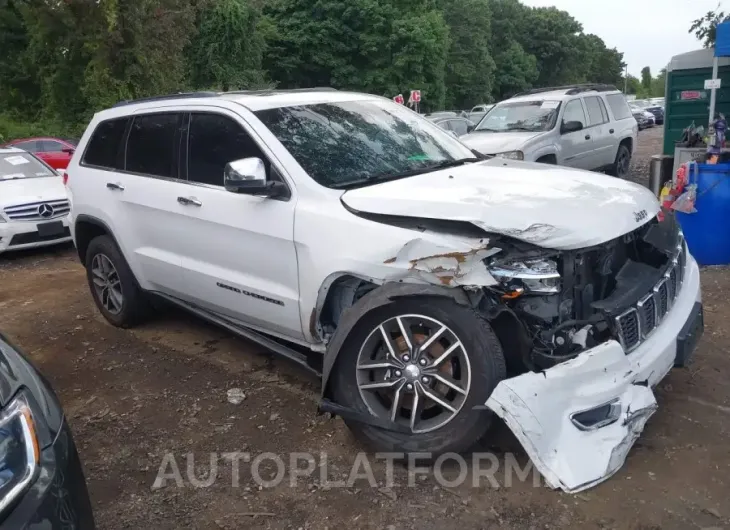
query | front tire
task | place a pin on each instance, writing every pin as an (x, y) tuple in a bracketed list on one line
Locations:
[(427, 364), (622, 164), (112, 284)]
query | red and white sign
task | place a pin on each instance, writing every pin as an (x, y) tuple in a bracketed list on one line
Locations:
[(415, 96), (690, 95), (399, 99)]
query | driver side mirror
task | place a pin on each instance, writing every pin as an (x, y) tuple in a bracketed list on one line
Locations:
[(248, 176), (470, 128), (570, 126)]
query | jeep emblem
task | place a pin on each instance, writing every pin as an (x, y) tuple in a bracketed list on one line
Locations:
[(640, 216)]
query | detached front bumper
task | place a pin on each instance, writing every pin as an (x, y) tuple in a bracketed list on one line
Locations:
[(578, 420)]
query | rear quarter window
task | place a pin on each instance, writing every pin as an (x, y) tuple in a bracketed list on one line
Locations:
[(105, 146), (619, 107)]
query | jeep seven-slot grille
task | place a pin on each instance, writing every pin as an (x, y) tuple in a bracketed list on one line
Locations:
[(38, 211), (636, 323)]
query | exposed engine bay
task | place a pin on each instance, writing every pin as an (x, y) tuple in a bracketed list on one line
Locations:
[(569, 301)]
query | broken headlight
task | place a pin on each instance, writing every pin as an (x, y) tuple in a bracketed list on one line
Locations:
[(539, 276)]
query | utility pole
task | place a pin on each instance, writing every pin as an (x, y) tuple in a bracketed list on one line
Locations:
[(626, 78)]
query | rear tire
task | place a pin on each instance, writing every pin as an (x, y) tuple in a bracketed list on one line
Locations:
[(113, 285), (622, 164), (475, 367)]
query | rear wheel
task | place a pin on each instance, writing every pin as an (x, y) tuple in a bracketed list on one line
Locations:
[(622, 163), (112, 284), (424, 364)]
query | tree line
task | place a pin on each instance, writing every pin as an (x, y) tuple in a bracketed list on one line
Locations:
[(62, 60)]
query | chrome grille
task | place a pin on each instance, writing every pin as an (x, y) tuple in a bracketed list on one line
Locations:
[(636, 323), (38, 211)]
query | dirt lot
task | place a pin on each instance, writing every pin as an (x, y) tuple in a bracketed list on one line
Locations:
[(134, 396)]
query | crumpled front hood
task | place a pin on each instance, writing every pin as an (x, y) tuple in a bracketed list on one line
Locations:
[(491, 143), (549, 206), (23, 191)]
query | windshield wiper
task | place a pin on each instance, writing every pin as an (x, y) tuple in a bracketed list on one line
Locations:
[(487, 129), (444, 164)]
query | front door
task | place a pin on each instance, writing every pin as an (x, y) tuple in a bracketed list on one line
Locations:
[(577, 146), (239, 259)]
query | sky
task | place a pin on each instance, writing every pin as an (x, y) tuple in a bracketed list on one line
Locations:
[(648, 32)]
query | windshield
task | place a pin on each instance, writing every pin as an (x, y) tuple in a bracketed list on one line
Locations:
[(521, 116), (353, 142), (15, 166)]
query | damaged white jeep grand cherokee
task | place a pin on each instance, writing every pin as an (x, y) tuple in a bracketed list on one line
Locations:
[(431, 288)]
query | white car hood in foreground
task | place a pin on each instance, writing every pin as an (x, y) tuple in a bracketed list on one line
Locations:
[(27, 190), (552, 207), (491, 143)]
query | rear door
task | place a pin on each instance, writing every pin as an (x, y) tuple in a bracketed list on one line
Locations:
[(147, 192), (576, 148), (605, 144)]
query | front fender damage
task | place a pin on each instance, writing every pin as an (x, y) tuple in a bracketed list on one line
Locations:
[(541, 409), (438, 263)]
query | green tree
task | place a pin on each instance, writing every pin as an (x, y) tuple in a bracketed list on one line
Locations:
[(228, 50), (516, 71), (469, 65), (603, 65), (373, 45), (646, 78), (705, 27)]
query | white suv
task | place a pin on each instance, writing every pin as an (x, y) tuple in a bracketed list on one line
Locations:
[(429, 287), (582, 126), (34, 208)]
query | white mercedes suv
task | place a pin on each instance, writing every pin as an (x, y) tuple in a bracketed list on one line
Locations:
[(34, 208), (429, 286)]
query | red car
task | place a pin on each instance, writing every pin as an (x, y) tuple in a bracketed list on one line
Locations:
[(55, 152)]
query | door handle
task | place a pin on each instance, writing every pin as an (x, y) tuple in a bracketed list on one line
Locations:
[(189, 201), (114, 186), (610, 131), (588, 136)]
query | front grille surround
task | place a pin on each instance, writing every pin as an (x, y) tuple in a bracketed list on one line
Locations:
[(31, 211), (637, 323)]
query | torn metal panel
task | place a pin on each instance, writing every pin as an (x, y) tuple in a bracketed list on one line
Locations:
[(457, 265), (535, 233)]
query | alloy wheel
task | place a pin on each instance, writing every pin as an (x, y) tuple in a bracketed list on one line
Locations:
[(414, 370), (107, 284)]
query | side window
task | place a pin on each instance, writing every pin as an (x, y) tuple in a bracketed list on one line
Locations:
[(619, 107), (50, 146), (574, 112), (445, 125), (30, 146), (105, 146), (604, 112), (459, 127), (215, 140), (151, 144), (595, 115)]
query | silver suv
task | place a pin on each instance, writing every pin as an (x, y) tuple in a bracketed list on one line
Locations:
[(581, 126)]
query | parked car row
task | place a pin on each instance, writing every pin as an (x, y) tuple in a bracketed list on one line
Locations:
[(56, 152)]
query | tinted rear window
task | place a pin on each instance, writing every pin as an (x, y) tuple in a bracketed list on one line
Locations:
[(151, 144), (105, 146), (619, 107)]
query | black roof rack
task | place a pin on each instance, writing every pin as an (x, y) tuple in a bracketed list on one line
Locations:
[(570, 89), (210, 94), (268, 91), (167, 96)]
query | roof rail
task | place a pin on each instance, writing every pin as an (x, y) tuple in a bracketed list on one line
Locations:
[(265, 91), (570, 89), (207, 94)]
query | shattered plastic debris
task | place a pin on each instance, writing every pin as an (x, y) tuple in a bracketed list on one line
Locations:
[(235, 396)]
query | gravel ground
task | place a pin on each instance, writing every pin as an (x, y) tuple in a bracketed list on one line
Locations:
[(134, 396), (649, 143)]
